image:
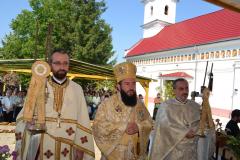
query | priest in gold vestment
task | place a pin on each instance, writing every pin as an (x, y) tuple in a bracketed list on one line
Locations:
[(64, 131), (122, 124), (176, 126)]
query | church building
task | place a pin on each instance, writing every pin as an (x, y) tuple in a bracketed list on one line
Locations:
[(170, 50)]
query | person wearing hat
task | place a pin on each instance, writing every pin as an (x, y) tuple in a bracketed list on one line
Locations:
[(54, 122), (122, 124)]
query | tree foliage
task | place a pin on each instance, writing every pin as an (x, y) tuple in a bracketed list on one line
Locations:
[(77, 27), (168, 92), (106, 85)]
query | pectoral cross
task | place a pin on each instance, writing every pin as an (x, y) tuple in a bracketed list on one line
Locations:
[(59, 120)]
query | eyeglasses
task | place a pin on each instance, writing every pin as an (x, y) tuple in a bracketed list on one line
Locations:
[(60, 64)]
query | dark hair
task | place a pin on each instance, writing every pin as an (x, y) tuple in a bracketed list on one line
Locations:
[(235, 113), (178, 80), (58, 50)]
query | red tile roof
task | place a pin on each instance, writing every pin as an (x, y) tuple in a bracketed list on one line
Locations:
[(220, 25), (177, 75)]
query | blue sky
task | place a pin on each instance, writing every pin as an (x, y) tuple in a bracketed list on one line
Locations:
[(124, 16)]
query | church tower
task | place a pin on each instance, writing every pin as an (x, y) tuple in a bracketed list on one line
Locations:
[(157, 15)]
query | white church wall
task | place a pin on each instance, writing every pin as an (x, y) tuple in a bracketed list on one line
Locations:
[(151, 31), (223, 70)]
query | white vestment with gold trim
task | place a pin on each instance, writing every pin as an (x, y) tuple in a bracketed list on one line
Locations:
[(61, 142), (174, 120)]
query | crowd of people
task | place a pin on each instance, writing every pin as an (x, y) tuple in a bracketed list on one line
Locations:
[(11, 104), (122, 128), (94, 98)]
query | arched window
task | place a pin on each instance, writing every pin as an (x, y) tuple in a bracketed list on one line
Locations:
[(222, 54), (166, 10), (217, 54), (212, 55), (234, 53), (151, 10)]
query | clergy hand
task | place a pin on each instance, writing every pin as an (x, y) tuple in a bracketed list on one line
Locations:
[(132, 128), (190, 134)]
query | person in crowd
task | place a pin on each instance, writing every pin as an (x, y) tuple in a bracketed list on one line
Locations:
[(96, 101), (19, 101), (7, 105), (157, 102), (1, 109), (232, 127), (67, 133), (14, 98), (122, 124), (176, 126), (140, 97)]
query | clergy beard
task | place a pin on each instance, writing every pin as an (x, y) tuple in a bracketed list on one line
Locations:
[(60, 74), (129, 101)]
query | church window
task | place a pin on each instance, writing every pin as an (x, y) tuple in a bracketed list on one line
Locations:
[(178, 58), (206, 55), (198, 56), (151, 10), (193, 56), (217, 54), (212, 55), (234, 53), (222, 54), (166, 10), (228, 53), (202, 55), (181, 57)]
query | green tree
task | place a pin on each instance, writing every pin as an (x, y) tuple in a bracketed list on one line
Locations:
[(168, 92), (107, 85), (77, 27)]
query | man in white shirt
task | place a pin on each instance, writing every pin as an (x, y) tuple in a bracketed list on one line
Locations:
[(7, 106)]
